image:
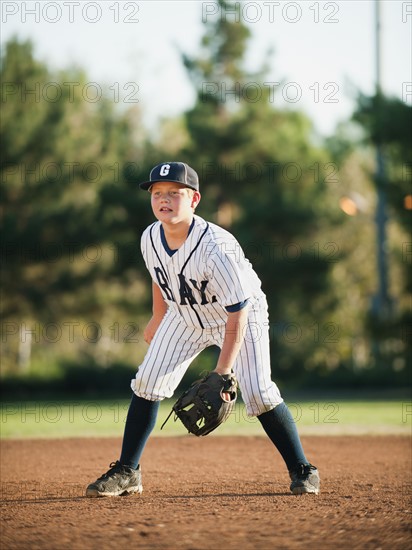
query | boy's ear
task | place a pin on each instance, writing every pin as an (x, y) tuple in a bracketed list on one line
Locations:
[(196, 199)]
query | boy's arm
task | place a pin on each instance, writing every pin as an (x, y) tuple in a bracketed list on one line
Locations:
[(234, 336), (159, 309)]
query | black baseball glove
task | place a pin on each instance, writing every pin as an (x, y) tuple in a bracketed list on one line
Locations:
[(206, 404)]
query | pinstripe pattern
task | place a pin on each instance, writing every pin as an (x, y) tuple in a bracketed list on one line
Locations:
[(217, 259), (175, 346), (252, 366), (187, 329), (170, 353), (207, 273)]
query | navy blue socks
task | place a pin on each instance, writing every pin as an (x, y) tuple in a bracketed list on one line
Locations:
[(141, 419), (281, 429), (277, 423)]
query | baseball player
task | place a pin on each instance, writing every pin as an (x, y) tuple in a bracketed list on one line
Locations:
[(205, 293)]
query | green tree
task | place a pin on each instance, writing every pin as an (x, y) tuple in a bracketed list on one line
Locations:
[(380, 345), (50, 176), (386, 123), (266, 180), (67, 204)]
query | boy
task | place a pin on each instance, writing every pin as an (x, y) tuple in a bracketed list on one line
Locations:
[(205, 293)]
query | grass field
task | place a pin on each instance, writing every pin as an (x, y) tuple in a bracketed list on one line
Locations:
[(48, 419)]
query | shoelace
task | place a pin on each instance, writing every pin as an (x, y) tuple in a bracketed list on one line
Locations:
[(304, 469), (114, 469)]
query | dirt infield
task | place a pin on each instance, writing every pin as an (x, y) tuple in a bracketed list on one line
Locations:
[(211, 493)]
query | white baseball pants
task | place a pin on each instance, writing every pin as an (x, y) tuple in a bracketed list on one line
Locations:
[(175, 345)]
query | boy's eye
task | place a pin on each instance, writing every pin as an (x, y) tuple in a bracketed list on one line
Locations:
[(170, 193)]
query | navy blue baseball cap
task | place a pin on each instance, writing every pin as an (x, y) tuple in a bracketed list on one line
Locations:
[(176, 172)]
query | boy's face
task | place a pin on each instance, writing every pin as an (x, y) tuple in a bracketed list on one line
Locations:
[(173, 203)]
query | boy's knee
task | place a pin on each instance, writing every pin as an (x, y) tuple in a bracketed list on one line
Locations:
[(259, 403), (143, 387)]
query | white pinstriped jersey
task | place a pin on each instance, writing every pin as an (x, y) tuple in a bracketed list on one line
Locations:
[(208, 273)]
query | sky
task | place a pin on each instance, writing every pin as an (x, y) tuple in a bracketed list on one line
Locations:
[(322, 51)]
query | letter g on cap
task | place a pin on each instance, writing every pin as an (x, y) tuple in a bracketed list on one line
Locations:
[(164, 170)]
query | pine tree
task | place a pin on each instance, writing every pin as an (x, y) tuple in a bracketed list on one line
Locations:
[(263, 177), (69, 218)]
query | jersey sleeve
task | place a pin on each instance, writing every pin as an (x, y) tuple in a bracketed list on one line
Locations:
[(237, 307), (145, 247), (228, 273)]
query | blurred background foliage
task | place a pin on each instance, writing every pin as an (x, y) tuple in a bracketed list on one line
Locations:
[(75, 292)]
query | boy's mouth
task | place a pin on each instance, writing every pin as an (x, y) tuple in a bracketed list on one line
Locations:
[(165, 209)]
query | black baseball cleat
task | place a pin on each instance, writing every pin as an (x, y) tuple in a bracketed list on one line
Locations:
[(305, 479), (119, 480)]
